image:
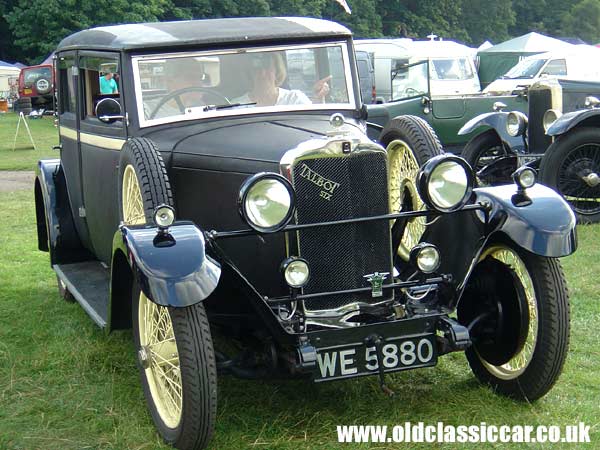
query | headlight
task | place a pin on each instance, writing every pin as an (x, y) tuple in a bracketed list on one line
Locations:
[(550, 117), (266, 202), (515, 123), (295, 271), (445, 182)]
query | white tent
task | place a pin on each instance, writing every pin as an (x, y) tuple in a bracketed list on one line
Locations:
[(7, 71)]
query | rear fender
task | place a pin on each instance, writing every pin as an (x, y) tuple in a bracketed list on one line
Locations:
[(497, 122), (172, 269), (55, 227)]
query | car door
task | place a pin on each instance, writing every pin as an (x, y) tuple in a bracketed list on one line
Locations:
[(68, 128), (99, 145)]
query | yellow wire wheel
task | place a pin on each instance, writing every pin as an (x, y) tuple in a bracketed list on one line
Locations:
[(409, 142), (403, 169), (520, 360), (174, 345), (516, 305), (159, 358)]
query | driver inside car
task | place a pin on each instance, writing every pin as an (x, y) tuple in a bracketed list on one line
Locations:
[(186, 76)]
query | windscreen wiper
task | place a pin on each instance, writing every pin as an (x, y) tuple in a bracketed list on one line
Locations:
[(226, 106)]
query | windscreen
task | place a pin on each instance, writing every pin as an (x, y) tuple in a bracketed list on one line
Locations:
[(194, 85), (527, 68), (451, 69)]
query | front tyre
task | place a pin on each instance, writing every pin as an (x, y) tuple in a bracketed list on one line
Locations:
[(571, 166), (518, 307), (174, 345), (178, 370), (481, 152)]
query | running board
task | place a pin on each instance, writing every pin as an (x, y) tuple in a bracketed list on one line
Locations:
[(89, 283)]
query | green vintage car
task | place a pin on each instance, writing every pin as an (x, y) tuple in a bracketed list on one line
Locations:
[(411, 94)]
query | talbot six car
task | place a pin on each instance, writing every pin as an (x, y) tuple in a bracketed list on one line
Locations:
[(190, 207)]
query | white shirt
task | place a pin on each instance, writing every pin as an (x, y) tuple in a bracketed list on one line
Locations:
[(285, 97)]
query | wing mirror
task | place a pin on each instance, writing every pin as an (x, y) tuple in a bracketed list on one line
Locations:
[(108, 110)]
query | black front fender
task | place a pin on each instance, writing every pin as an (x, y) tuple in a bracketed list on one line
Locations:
[(497, 122), (172, 270), (546, 227), (570, 120)]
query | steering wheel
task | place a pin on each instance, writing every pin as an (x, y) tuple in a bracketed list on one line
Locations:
[(411, 91), (176, 95)]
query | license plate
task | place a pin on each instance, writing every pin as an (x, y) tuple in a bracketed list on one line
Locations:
[(27, 91), (359, 360)]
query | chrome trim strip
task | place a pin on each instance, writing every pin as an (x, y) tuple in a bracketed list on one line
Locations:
[(350, 106), (93, 139)]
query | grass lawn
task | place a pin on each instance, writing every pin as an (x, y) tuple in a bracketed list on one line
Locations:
[(24, 157), (64, 384)]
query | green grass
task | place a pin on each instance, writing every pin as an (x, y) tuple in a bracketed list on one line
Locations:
[(24, 157), (64, 384)]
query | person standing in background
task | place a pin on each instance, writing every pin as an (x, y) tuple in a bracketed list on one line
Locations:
[(108, 84)]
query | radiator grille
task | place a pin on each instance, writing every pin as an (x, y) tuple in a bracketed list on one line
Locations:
[(540, 101), (340, 256)]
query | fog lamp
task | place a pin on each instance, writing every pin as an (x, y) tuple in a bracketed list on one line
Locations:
[(296, 272), (524, 177), (164, 216), (426, 257)]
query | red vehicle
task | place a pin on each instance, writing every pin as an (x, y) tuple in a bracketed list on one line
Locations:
[(36, 83)]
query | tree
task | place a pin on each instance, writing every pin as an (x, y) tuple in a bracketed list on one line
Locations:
[(39, 26), (484, 20), (583, 21)]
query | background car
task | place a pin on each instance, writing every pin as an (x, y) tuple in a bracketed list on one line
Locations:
[(36, 87), (566, 161)]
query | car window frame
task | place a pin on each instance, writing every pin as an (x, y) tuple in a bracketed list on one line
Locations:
[(352, 105)]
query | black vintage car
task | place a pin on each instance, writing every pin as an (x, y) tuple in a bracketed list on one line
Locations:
[(228, 190), (559, 137)]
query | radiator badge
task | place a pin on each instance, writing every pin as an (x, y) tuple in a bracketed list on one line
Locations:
[(327, 186), (376, 279)]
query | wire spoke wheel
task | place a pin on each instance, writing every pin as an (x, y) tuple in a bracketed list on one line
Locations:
[(133, 207), (160, 359), (516, 307), (410, 142), (579, 181), (403, 170), (521, 359)]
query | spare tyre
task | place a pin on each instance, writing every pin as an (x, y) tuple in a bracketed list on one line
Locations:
[(43, 85)]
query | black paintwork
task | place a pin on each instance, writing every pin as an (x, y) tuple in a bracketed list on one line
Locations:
[(586, 117), (197, 33), (172, 269), (235, 271)]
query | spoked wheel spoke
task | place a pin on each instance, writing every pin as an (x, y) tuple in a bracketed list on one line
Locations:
[(162, 364)]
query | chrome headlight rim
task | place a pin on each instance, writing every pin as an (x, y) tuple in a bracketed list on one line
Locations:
[(550, 116), (245, 190), (163, 216), (424, 178), (521, 122)]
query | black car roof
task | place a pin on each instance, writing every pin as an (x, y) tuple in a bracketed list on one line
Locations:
[(202, 32)]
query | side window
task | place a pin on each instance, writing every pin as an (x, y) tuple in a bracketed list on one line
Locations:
[(100, 78), (556, 67), (67, 98)]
